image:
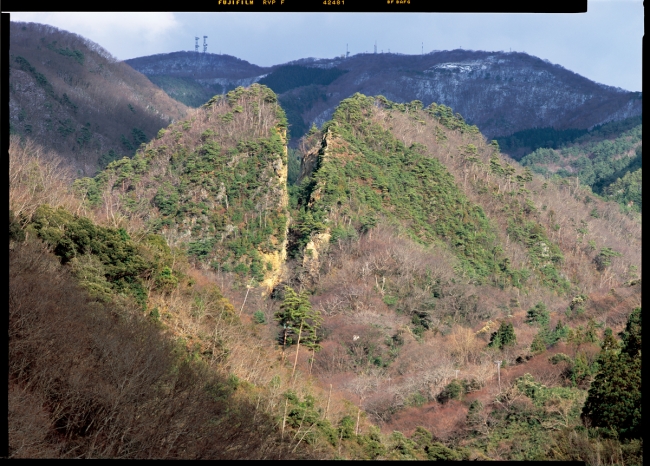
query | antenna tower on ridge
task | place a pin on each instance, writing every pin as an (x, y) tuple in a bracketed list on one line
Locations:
[(205, 44), (375, 46), (196, 44), (347, 54)]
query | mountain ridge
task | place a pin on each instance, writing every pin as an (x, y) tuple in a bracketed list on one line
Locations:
[(409, 256), (500, 92)]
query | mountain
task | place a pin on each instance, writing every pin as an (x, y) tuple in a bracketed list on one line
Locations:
[(214, 184), (356, 314), (608, 159), (414, 294), (499, 92), (431, 256), (71, 96), (193, 78), (418, 244)]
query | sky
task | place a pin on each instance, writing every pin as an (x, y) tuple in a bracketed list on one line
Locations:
[(604, 44)]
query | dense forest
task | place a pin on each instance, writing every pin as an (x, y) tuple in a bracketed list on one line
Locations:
[(608, 158), (219, 295)]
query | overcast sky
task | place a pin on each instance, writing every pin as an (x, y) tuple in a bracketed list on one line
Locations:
[(603, 44)]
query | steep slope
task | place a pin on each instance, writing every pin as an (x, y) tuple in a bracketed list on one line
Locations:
[(424, 247), (214, 184), (377, 159), (499, 92), (70, 95), (422, 256)]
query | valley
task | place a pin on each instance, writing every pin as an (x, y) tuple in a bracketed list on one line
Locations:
[(224, 292)]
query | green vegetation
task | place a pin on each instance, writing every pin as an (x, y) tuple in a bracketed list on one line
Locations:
[(504, 336), (239, 216), (605, 165), (77, 55), (384, 177), (413, 265), (289, 77), (445, 115), (40, 78), (614, 400), (293, 167), (185, 90), (297, 102), (536, 138), (108, 157), (105, 259), (627, 190), (300, 323), (307, 86), (538, 315)]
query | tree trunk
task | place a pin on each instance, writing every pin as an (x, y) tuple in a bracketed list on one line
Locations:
[(297, 350), (327, 408)]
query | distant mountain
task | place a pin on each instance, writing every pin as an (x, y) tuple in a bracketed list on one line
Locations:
[(70, 95), (499, 92), (193, 78)]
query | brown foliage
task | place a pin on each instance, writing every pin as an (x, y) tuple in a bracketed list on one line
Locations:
[(560, 206), (37, 177), (91, 380), (443, 421)]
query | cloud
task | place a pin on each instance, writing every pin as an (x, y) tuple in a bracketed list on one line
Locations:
[(109, 29)]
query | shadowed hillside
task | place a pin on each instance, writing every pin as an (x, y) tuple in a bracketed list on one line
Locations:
[(70, 95)]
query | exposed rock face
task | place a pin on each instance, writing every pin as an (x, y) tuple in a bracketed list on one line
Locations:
[(278, 258), (214, 184), (319, 242), (314, 249)]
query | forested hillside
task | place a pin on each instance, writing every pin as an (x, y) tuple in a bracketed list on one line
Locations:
[(430, 255), (70, 95), (502, 93), (607, 159), (194, 78), (354, 314)]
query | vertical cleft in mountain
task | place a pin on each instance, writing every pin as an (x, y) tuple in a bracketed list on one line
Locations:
[(214, 184), (430, 174)]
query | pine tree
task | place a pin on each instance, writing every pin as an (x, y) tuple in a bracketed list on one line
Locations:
[(632, 334), (614, 399), (300, 323), (538, 315), (505, 336), (539, 344)]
